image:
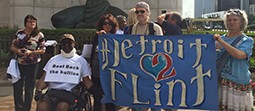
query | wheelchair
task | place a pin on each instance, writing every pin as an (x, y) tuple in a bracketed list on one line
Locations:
[(82, 100), (83, 103)]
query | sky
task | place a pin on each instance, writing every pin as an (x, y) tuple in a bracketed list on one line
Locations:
[(188, 8)]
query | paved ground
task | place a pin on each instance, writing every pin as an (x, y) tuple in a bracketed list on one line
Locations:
[(6, 94), (6, 98), (7, 104)]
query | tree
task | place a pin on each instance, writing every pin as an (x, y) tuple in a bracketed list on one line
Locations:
[(251, 19)]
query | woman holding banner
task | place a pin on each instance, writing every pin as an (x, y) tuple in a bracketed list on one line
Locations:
[(107, 24), (234, 77)]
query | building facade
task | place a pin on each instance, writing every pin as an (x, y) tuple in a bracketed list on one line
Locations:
[(252, 9), (228, 4), (204, 6), (13, 11), (224, 5)]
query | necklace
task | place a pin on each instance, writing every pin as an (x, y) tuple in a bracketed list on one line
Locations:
[(144, 31)]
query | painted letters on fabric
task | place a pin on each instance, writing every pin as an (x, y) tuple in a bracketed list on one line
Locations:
[(159, 71)]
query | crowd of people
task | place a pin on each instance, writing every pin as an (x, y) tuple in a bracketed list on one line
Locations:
[(234, 76)]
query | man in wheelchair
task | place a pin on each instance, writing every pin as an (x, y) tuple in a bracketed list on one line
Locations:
[(62, 73)]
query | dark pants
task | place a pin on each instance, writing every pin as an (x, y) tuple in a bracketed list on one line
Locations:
[(28, 75), (97, 103)]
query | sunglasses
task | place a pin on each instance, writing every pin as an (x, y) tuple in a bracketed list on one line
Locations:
[(237, 12), (65, 42), (139, 11), (109, 23)]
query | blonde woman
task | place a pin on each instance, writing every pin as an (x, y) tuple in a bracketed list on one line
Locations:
[(131, 17), (235, 89)]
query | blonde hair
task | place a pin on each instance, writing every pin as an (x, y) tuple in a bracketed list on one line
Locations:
[(241, 14), (131, 19)]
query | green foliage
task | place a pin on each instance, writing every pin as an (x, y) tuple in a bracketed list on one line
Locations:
[(251, 18), (4, 58), (252, 62), (6, 31), (214, 32), (86, 34), (81, 35), (198, 24), (252, 26), (3, 54)]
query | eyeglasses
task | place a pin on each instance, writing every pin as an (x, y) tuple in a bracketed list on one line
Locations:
[(139, 11), (236, 12), (31, 21), (109, 23)]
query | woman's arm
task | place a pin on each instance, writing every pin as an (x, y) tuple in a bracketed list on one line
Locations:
[(15, 49), (236, 53), (39, 51)]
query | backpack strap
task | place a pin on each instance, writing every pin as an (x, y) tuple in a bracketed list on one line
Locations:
[(151, 28), (129, 29), (223, 59)]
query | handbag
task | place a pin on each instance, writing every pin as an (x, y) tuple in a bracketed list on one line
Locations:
[(223, 59)]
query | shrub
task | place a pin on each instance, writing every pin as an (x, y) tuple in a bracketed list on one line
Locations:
[(252, 61), (252, 26), (3, 54)]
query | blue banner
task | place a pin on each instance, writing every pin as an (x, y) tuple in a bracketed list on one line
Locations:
[(159, 71)]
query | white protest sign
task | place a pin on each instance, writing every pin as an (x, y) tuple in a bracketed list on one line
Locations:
[(86, 52), (63, 72)]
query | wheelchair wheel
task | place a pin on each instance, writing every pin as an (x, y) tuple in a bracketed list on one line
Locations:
[(84, 101)]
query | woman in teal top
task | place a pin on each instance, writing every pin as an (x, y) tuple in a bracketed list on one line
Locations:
[(236, 69), (234, 87)]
